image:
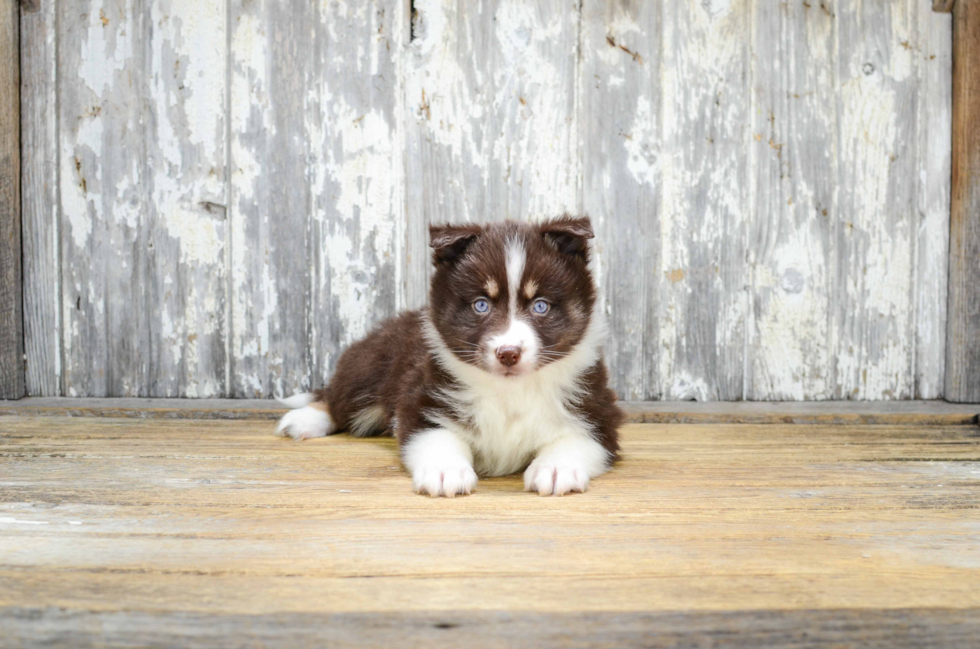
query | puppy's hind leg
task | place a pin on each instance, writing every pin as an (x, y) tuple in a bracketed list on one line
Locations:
[(308, 418)]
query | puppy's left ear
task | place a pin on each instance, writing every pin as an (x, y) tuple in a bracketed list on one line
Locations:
[(569, 235), (449, 242)]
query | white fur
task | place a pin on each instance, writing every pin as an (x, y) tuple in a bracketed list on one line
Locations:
[(297, 400), (515, 417), (305, 422), (565, 466), (441, 464), (514, 256), (367, 421), (518, 334)]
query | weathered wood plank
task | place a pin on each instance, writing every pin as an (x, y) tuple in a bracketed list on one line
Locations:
[(934, 65), (963, 328), (11, 276), (103, 194), (356, 172), (919, 413), (271, 199), (39, 168), (705, 199), (491, 133), (619, 130), (793, 202), (877, 218), (951, 628), (186, 224)]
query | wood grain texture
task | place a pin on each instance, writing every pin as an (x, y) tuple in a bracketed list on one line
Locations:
[(271, 197), (918, 413), (963, 330), (934, 63), (817, 628), (705, 200), (39, 180), (11, 273), (490, 132), (156, 526), (104, 199), (620, 133), (186, 225), (354, 123), (877, 219), (793, 202)]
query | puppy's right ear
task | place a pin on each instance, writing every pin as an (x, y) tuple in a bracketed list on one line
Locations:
[(448, 242)]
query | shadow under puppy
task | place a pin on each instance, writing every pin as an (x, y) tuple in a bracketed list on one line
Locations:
[(503, 370)]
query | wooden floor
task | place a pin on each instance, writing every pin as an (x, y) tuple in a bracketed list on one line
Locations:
[(128, 532)]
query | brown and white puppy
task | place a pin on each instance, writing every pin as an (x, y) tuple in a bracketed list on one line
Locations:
[(503, 371)]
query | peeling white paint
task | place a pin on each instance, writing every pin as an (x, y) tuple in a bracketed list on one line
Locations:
[(106, 48), (642, 146)]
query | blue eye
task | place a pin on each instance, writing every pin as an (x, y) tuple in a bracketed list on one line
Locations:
[(540, 307), (481, 306)]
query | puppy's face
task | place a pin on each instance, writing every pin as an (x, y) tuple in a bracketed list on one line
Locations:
[(510, 298)]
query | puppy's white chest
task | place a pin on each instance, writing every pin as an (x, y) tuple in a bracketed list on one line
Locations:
[(507, 428)]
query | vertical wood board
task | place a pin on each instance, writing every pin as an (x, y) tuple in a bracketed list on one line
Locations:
[(963, 330), (103, 195), (270, 246), (11, 277), (874, 238), (39, 181), (793, 206), (620, 134), (934, 59), (704, 201), (186, 221), (356, 174)]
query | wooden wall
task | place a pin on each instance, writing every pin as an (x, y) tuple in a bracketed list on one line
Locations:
[(222, 194)]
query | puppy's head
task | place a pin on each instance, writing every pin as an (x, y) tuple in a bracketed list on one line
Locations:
[(509, 297)]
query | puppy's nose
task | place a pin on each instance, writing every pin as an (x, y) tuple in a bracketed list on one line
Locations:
[(508, 355)]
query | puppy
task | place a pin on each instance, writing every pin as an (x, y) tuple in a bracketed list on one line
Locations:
[(502, 372)]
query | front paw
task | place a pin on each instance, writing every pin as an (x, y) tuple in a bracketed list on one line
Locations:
[(444, 480), (307, 422), (550, 478)]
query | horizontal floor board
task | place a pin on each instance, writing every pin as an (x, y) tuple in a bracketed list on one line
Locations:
[(930, 413)]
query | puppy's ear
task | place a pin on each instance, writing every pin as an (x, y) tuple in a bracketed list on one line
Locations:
[(448, 242), (569, 235)]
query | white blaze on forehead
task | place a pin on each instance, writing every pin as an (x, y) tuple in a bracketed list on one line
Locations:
[(519, 333), (515, 256)]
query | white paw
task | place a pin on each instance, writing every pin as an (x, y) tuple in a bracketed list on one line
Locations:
[(554, 479), (444, 480), (305, 423)]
